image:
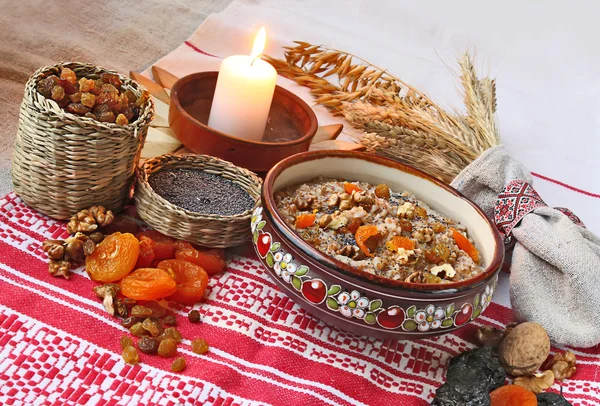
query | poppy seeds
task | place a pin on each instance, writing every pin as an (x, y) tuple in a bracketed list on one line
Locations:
[(200, 192)]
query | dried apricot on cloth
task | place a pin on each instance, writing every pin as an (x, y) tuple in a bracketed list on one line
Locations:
[(191, 280), (146, 256), (113, 258), (305, 220), (512, 395), (465, 245), (148, 284), (211, 260), (165, 245)]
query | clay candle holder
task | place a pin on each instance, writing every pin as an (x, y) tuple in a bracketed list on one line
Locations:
[(290, 129)]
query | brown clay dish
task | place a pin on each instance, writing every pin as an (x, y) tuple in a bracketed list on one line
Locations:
[(356, 300), (291, 127)]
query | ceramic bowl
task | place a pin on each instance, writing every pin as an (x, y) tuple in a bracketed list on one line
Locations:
[(357, 301), (292, 125)]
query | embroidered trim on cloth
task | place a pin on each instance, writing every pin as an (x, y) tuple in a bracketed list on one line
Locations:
[(516, 201)]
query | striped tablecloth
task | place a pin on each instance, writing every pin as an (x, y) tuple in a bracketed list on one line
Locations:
[(59, 346)]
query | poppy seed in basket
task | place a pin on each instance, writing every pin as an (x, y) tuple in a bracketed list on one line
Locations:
[(200, 192)]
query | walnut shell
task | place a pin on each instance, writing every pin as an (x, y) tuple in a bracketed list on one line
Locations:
[(524, 349)]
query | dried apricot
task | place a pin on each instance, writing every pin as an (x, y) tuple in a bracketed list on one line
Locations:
[(351, 187), (400, 242), (113, 258), (211, 260), (191, 280), (366, 238), (146, 256), (165, 245), (465, 245), (305, 220), (512, 395), (148, 284)]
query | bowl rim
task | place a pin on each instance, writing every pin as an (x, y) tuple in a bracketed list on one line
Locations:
[(278, 89), (333, 264)]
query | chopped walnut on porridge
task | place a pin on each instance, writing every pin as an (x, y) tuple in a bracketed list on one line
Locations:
[(377, 230)]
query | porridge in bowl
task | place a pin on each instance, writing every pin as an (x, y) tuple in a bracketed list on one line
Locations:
[(372, 228)]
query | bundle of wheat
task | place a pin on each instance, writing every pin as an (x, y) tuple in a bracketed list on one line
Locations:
[(398, 121)]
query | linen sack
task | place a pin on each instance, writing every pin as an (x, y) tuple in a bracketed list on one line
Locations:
[(555, 265)]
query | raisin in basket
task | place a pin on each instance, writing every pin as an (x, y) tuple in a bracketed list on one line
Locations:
[(63, 162), (209, 230)]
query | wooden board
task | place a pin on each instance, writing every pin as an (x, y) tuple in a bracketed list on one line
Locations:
[(155, 89), (159, 141), (164, 78)]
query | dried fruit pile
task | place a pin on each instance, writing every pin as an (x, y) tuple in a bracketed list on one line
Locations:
[(519, 350), (103, 99), (136, 269)]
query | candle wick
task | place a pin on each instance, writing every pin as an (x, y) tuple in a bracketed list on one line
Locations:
[(255, 58)]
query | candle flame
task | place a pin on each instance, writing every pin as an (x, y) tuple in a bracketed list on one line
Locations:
[(259, 43)]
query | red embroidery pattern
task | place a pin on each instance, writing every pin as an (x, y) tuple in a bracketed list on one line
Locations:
[(516, 201)]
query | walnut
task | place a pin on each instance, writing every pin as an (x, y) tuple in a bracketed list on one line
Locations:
[(346, 204), (362, 198), (325, 220), (563, 365), (423, 235), (536, 383), (524, 349), (350, 251), (333, 200), (107, 293), (406, 211), (102, 216), (54, 248), (78, 247), (60, 268), (416, 277), (88, 220)]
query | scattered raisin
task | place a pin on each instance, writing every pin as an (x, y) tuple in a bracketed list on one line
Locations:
[(170, 320), (137, 330), (438, 228), (406, 225), (141, 311), (68, 75), (67, 86), (88, 99), (167, 348), (130, 321), (172, 332), (156, 308), (194, 316), (91, 115), (45, 85), (382, 191), (178, 365), (121, 120), (78, 108), (121, 309), (129, 302), (152, 327), (58, 93), (131, 97), (354, 224), (148, 345), (199, 346), (126, 341), (130, 355)]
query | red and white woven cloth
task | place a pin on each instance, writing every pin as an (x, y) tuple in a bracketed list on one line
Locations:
[(59, 346)]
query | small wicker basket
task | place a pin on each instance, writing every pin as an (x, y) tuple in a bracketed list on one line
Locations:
[(63, 163), (209, 230)]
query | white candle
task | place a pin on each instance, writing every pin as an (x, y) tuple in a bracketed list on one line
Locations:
[(243, 95)]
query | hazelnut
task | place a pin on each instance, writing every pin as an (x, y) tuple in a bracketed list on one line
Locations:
[(524, 349)]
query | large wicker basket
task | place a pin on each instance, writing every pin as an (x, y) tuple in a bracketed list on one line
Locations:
[(209, 230), (63, 163)]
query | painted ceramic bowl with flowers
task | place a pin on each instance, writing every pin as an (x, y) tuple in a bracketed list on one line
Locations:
[(375, 247)]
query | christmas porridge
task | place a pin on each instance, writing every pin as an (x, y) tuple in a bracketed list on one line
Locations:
[(377, 230)]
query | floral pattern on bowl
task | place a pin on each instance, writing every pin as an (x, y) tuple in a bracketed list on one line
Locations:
[(351, 303)]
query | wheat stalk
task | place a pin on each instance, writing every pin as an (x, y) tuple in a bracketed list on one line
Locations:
[(398, 120)]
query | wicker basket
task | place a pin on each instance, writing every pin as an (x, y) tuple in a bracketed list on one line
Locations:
[(63, 163), (209, 230)]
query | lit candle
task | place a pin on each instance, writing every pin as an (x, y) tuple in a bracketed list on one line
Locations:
[(244, 92)]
